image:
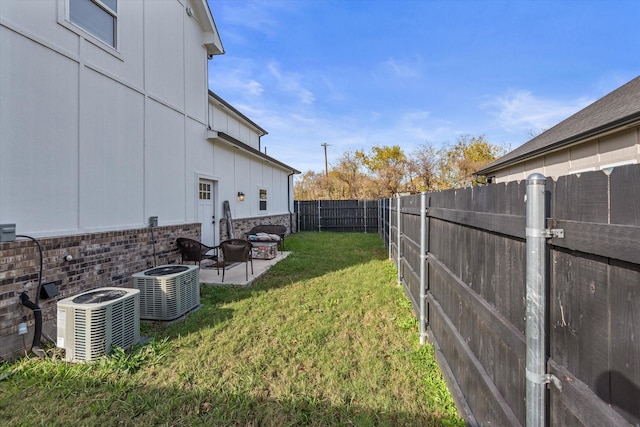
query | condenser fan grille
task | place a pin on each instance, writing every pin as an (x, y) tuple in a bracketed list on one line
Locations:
[(166, 270), (98, 296)]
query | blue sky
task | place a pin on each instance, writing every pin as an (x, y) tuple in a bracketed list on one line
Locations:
[(356, 73)]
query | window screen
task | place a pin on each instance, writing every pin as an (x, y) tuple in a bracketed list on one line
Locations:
[(97, 17)]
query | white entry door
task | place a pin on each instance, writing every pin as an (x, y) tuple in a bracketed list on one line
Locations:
[(206, 214)]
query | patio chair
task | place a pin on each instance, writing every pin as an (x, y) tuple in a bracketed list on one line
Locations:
[(236, 250), (193, 250)]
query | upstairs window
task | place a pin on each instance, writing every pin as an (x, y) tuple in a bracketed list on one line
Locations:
[(263, 200), (98, 17)]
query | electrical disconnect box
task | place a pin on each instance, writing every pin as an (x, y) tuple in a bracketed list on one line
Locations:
[(153, 221), (7, 232)]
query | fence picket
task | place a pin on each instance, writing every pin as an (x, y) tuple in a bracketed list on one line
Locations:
[(475, 290)]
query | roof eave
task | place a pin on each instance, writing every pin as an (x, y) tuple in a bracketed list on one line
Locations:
[(612, 127), (230, 107), (214, 135), (211, 37)]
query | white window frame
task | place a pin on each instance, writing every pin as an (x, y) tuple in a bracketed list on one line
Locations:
[(64, 19), (264, 199)]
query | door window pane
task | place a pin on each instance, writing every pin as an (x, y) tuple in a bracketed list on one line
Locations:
[(205, 191)]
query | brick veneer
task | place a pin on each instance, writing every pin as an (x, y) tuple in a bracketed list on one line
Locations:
[(242, 225), (99, 260)]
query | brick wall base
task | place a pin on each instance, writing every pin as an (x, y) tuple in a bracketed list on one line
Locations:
[(242, 225), (99, 260)]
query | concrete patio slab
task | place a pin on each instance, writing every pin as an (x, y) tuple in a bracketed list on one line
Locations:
[(235, 274)]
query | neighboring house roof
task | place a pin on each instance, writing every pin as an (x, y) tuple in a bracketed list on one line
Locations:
[(230, 107), (212, 134), (618, 109)]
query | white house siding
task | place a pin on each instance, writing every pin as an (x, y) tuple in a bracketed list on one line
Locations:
[(223, 120), (617, 149), (110, 152), (237, 168), (94, 138), (164, 53), (94, 141), (239, 171), (38, 140)]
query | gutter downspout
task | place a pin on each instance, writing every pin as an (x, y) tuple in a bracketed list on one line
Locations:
[(289, 180)]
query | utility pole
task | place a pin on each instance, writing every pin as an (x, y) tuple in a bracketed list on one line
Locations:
[(326, 166)]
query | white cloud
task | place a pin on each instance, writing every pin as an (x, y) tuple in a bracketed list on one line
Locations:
[(406, 69), (258, 16), (245, 86), (235, 75), (291, 84), (522, 111), (399, 69)]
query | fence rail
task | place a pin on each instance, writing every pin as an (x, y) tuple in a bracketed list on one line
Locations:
[(338, 215), (472, 276), (460, 256)]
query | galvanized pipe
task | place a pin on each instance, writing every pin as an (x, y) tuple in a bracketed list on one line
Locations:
[(365, 217), (423, 266), (535, 300), (389, 226), (398, 242)]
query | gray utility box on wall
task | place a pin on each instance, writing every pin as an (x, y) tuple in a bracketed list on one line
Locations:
[(7, 232)]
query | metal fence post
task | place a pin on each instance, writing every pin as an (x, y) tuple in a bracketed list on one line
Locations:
[(389, 228), (380, 217), (398, 231), (423, 259), (365, 217), (535, 300), (319, 216)]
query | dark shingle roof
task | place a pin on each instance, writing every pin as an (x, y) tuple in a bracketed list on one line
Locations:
[(619, 108)]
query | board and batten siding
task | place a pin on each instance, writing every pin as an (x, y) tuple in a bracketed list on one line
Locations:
[(221, 119), (100, 138), (237, 171)]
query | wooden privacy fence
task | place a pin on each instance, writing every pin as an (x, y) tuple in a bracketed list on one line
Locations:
[(338, 215), (461, 260)]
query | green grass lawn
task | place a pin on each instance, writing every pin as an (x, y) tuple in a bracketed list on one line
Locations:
[(326, 337)]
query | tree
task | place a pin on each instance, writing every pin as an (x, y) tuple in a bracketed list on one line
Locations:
[(421, 167), (457, 164), (348, 172), (385, 170), (388, 164), (310, 186)]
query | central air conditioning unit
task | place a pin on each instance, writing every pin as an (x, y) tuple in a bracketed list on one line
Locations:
[(168, 292), (92, 323)]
